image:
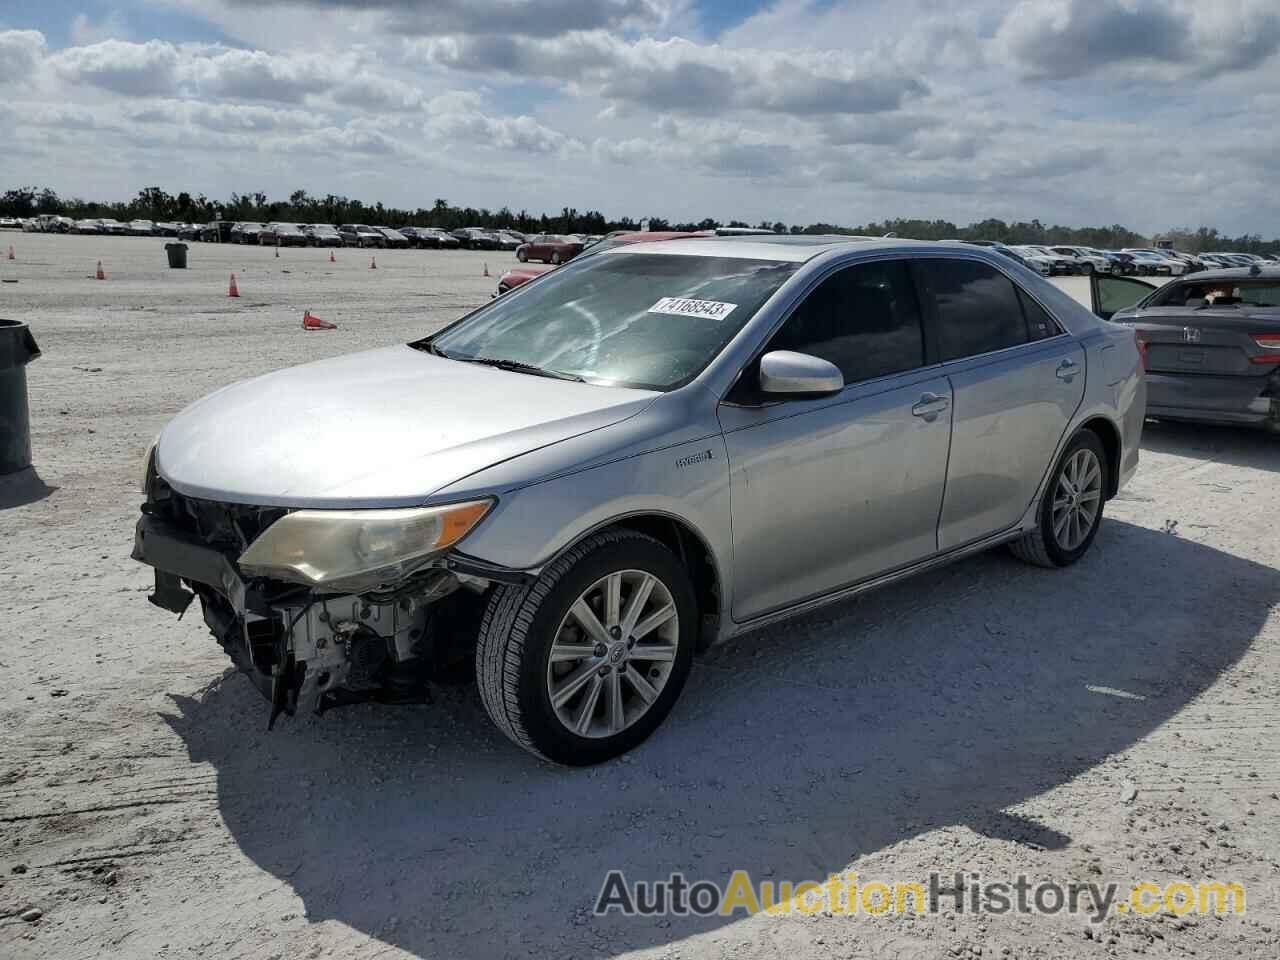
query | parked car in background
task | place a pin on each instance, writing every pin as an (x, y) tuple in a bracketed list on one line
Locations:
[(507, 240), (437, 238), (10, 223), (1211, 346), (166, 228), (613, 480), (1086, 259), (473, 238), (89, 227), (246, 231), (1061, 265), (141, 228), (112, 226), (360, 235), (548, 248), (619, 238), (322, 235), (1041, 266), (283, 235), (393, 238), (1155, 264), (216, 231)]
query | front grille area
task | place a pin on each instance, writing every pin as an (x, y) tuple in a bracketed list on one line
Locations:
[(229, 527)]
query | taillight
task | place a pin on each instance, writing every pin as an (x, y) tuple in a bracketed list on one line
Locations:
[(1269, 342), (1139, 339)]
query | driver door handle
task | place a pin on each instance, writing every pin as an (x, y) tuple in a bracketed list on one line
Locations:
[(929, 406), (1067, 370)]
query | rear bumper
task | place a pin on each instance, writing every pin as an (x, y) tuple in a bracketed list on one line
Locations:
[(1212, 399)]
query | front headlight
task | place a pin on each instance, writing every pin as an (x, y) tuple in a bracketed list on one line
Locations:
[(355, 550)]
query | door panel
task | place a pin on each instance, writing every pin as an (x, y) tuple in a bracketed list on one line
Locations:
[(1009, 413), (829, 492)]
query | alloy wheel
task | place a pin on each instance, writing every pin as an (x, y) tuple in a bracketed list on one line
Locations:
[(613, 653), (1077, 499)]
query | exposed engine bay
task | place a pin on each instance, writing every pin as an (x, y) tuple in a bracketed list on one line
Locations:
[(302, 648)]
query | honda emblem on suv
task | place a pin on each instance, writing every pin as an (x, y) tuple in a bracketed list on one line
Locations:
[(1191, 334)]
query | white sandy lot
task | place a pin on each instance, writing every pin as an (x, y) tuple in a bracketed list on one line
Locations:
[(990, 717)]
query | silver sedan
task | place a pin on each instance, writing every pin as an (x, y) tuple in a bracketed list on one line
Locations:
[(576, 488)]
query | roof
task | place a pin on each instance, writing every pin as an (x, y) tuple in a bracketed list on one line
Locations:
[(1258, 272), (793, 249)]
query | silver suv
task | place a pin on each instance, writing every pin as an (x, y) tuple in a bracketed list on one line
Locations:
[(583, 483)]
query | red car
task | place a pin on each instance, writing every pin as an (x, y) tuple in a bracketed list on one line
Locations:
[(513, 278), (548, 248)]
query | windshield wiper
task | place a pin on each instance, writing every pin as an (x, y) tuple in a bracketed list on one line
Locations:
[(515, 366)]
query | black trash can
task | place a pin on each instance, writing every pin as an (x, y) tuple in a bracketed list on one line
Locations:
[(17, 349), (177, 255)]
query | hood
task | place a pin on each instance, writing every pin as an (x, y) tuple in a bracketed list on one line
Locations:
[(386, 427)]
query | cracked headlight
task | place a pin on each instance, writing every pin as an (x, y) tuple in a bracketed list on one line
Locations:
[(356, 550)]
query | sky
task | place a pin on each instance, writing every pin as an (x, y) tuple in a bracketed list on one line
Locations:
[(1149, 113)]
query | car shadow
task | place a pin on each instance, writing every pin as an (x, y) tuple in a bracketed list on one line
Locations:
[(1238, 446), (938, 701), (21, 488)]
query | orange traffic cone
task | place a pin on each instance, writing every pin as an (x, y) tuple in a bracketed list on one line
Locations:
[(315, 323), (100, 275), (233, 290), (486, 269), (11, 257), (373, 263), (331, 257)]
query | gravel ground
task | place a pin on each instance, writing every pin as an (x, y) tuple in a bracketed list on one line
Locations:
[(1114, 722)]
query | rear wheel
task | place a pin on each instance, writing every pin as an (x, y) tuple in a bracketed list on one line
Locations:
[(1071, 510), (586, 662), (555, 258), (522, 256)]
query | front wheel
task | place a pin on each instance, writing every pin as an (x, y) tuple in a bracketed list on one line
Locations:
[(522, 256), (585, 663), (555, 258), (1071, 509)]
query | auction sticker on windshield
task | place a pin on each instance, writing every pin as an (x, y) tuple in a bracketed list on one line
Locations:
[(683, 307)]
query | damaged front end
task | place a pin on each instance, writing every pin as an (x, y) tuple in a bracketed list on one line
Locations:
[(376, 634)]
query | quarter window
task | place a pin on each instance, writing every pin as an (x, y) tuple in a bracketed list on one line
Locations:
[(864, 319), (1040, 325), (977, 307)]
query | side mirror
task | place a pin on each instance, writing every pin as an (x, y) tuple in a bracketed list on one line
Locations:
[(798, 374)]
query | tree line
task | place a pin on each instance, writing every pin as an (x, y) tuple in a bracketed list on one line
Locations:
[(153, 203)]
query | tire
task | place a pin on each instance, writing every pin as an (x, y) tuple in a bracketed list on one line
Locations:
[(1042, 546), (1087, 269), (555, 258), (522, 256), (522, 623)]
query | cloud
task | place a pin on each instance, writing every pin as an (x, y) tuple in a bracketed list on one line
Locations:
[(678, 74), (132, 69), (20, 53), (258, 75), (457, 118), (532, 18), (85, 31), (1062, 39), (225, 117)]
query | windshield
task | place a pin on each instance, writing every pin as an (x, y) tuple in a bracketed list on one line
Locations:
[(633, 319), (1218, 293)]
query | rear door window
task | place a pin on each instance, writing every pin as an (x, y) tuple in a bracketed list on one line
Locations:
[(976, 306)]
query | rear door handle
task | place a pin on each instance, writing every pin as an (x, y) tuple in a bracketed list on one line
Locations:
[(929, 406), (1067, 370)]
